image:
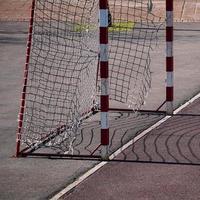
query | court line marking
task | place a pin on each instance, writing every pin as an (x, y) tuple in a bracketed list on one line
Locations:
[(101, 164)]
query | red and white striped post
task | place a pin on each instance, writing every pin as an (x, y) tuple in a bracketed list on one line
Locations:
[(169, 57), (22, 106), (104, 102)]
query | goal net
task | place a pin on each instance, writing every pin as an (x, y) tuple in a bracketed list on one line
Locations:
[(62, 78)]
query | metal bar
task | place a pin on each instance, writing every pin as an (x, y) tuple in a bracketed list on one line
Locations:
[(98, 158), (169, 57), (154, 162), (104, 99), (23, 97), (186, 115), (139, 111), (49, 155), (95, 149), (161, 106)]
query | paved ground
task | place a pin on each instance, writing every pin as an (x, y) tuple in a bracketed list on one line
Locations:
[(136, 181), (184, 10), (127, 181), (39, 179)]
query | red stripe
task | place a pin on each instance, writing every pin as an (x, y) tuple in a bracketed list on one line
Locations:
[(104, 69), (104, 103), (104, 136), (169, 5), (18, 147), (20, 124), (169, 34), (103, 35), (25, 78), (30, 29), (32, 11), (103, 4), (169, 93), (169, 64)]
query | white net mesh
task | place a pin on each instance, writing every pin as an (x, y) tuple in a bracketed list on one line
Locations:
[(63, 68), (132, 35)]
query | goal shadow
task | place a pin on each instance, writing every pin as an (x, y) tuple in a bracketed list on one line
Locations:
[(80, 57), (175, 141)]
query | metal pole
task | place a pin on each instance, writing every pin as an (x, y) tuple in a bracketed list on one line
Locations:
[(104, 102), (23, 96), (169, 57)]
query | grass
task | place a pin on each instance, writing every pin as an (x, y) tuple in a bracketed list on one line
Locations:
[(116, 27)]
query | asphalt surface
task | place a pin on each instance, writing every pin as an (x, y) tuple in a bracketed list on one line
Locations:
[(41, 178), (24, 178), (141, 182), (124, 181)]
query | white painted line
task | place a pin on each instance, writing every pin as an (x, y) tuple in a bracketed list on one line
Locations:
[(187, 103), (101, 164), (78, 181)]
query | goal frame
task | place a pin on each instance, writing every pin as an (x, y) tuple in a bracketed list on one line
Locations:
[(104, 76)]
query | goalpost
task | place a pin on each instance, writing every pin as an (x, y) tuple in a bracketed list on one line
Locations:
[(82, 55)]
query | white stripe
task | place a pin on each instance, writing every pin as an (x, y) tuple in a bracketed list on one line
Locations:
[(187, 103), (105, 152), (104, 120), (169, 49), (169, 21), (169, 107), (103, 17), (104, 86), (170, 79), (78, 181), (101, 164), (104, 52)]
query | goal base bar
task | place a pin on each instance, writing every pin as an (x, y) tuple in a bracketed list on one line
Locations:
[(60, 156), (138, 111), (98, 158), (154, 112)]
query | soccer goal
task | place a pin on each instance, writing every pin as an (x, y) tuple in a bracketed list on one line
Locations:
[(84, 57)]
